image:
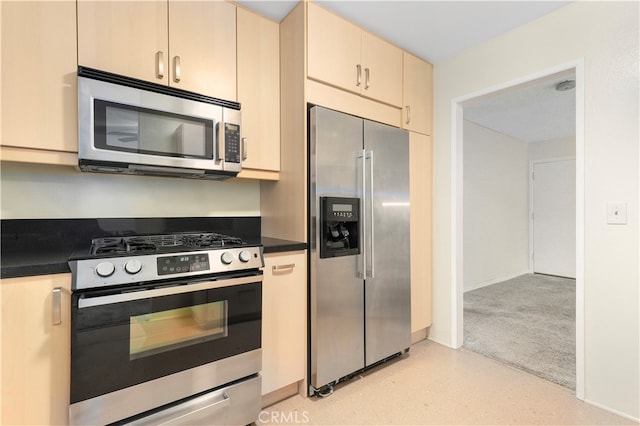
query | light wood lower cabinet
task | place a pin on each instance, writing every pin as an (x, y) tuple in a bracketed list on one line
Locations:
[(284, 320), (36, 353), (421, 253)]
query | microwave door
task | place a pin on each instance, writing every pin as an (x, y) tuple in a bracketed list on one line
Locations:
[(129, 129)]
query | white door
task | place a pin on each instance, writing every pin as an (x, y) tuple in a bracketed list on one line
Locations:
[(554, 217)]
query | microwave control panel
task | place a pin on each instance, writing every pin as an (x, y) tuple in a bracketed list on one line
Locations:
[(232, 143)]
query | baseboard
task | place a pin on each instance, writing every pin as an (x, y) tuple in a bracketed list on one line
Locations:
[(481, 284), (279, 394), (611, 410), (419, 335)]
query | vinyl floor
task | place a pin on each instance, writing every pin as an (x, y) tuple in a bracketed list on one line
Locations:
[(436, 385)]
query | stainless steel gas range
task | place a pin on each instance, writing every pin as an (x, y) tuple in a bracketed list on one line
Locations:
[(166, 329)]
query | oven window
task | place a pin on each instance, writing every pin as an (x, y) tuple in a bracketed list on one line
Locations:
[(127, 128), (163, 331)]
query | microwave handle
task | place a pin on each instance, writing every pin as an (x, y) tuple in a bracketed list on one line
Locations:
[(244, 149), (220, 142)]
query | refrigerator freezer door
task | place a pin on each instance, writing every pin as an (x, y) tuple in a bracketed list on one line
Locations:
[(336, 290), (388, 281)]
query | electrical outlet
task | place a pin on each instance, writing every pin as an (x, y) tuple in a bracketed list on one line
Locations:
[(617, 213)]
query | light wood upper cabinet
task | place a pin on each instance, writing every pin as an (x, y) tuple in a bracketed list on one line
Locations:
[(186, 44), (39, 85), (259, 89), (202, 35), (127, 38), (382, 75), (417, 112), (284, 320), (343, 55), (36, 354), (334, 49)]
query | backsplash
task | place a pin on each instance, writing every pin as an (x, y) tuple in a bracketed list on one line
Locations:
[(42, 191)]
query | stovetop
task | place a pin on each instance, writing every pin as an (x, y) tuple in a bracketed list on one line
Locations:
[(138, 259), (163, 243)]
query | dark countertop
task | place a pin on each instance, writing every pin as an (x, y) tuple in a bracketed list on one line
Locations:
[(43, 246), (276, 245), (55, 262)]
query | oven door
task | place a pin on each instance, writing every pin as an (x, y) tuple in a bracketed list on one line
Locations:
[(137, 349)]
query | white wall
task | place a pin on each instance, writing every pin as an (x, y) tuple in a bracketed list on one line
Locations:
[(605, 36), (50, 192), (496, 230), (555, 148)]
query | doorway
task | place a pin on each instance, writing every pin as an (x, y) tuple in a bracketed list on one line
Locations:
[(459, 108)]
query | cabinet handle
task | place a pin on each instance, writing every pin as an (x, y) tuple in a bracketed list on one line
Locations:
[(159, 64), (366, 78), (176, 69), (408, 114), (283, 268), (56, 308), (358, 75), (244, 148)]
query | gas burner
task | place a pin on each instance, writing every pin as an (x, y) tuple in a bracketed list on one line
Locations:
[(106, 246)]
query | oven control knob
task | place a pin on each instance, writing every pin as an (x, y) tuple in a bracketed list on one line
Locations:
[(226, 258), (105, 269), (244, 256), (133, 266)]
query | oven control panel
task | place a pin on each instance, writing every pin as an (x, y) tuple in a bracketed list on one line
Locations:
[(108, 271), (168, 265)]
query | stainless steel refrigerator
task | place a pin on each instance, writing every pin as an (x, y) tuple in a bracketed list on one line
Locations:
[(359, 283)]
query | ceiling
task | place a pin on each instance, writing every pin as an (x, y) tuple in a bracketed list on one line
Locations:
[(439, 30), (432, 30), (531, 112)]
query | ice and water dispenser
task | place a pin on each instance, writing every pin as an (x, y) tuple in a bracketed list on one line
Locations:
[(340, 224)]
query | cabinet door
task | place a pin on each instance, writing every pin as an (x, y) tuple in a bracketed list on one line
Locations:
[(35, 353), (417, 95), (202, 37), (259, 89), (124, 37), (284, 320), (382, 70), (334, 50), (420, 196), (39, 85)]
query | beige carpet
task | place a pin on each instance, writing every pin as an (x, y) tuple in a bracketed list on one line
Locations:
[(527, 322)]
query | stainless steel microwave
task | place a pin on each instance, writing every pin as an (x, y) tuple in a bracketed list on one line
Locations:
[(132, 126)]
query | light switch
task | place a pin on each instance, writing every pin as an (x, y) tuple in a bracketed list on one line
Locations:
[(617, 213)]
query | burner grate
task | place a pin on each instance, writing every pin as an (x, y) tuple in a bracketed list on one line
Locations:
[(210, 240), (152, 243)]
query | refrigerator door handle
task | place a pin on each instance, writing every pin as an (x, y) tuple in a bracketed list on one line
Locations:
[(370, 248), (362, 164)]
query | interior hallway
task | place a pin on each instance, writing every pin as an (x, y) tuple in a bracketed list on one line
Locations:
[(437, 385)]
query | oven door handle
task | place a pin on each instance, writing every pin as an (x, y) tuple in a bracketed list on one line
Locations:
[(86, 302)]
